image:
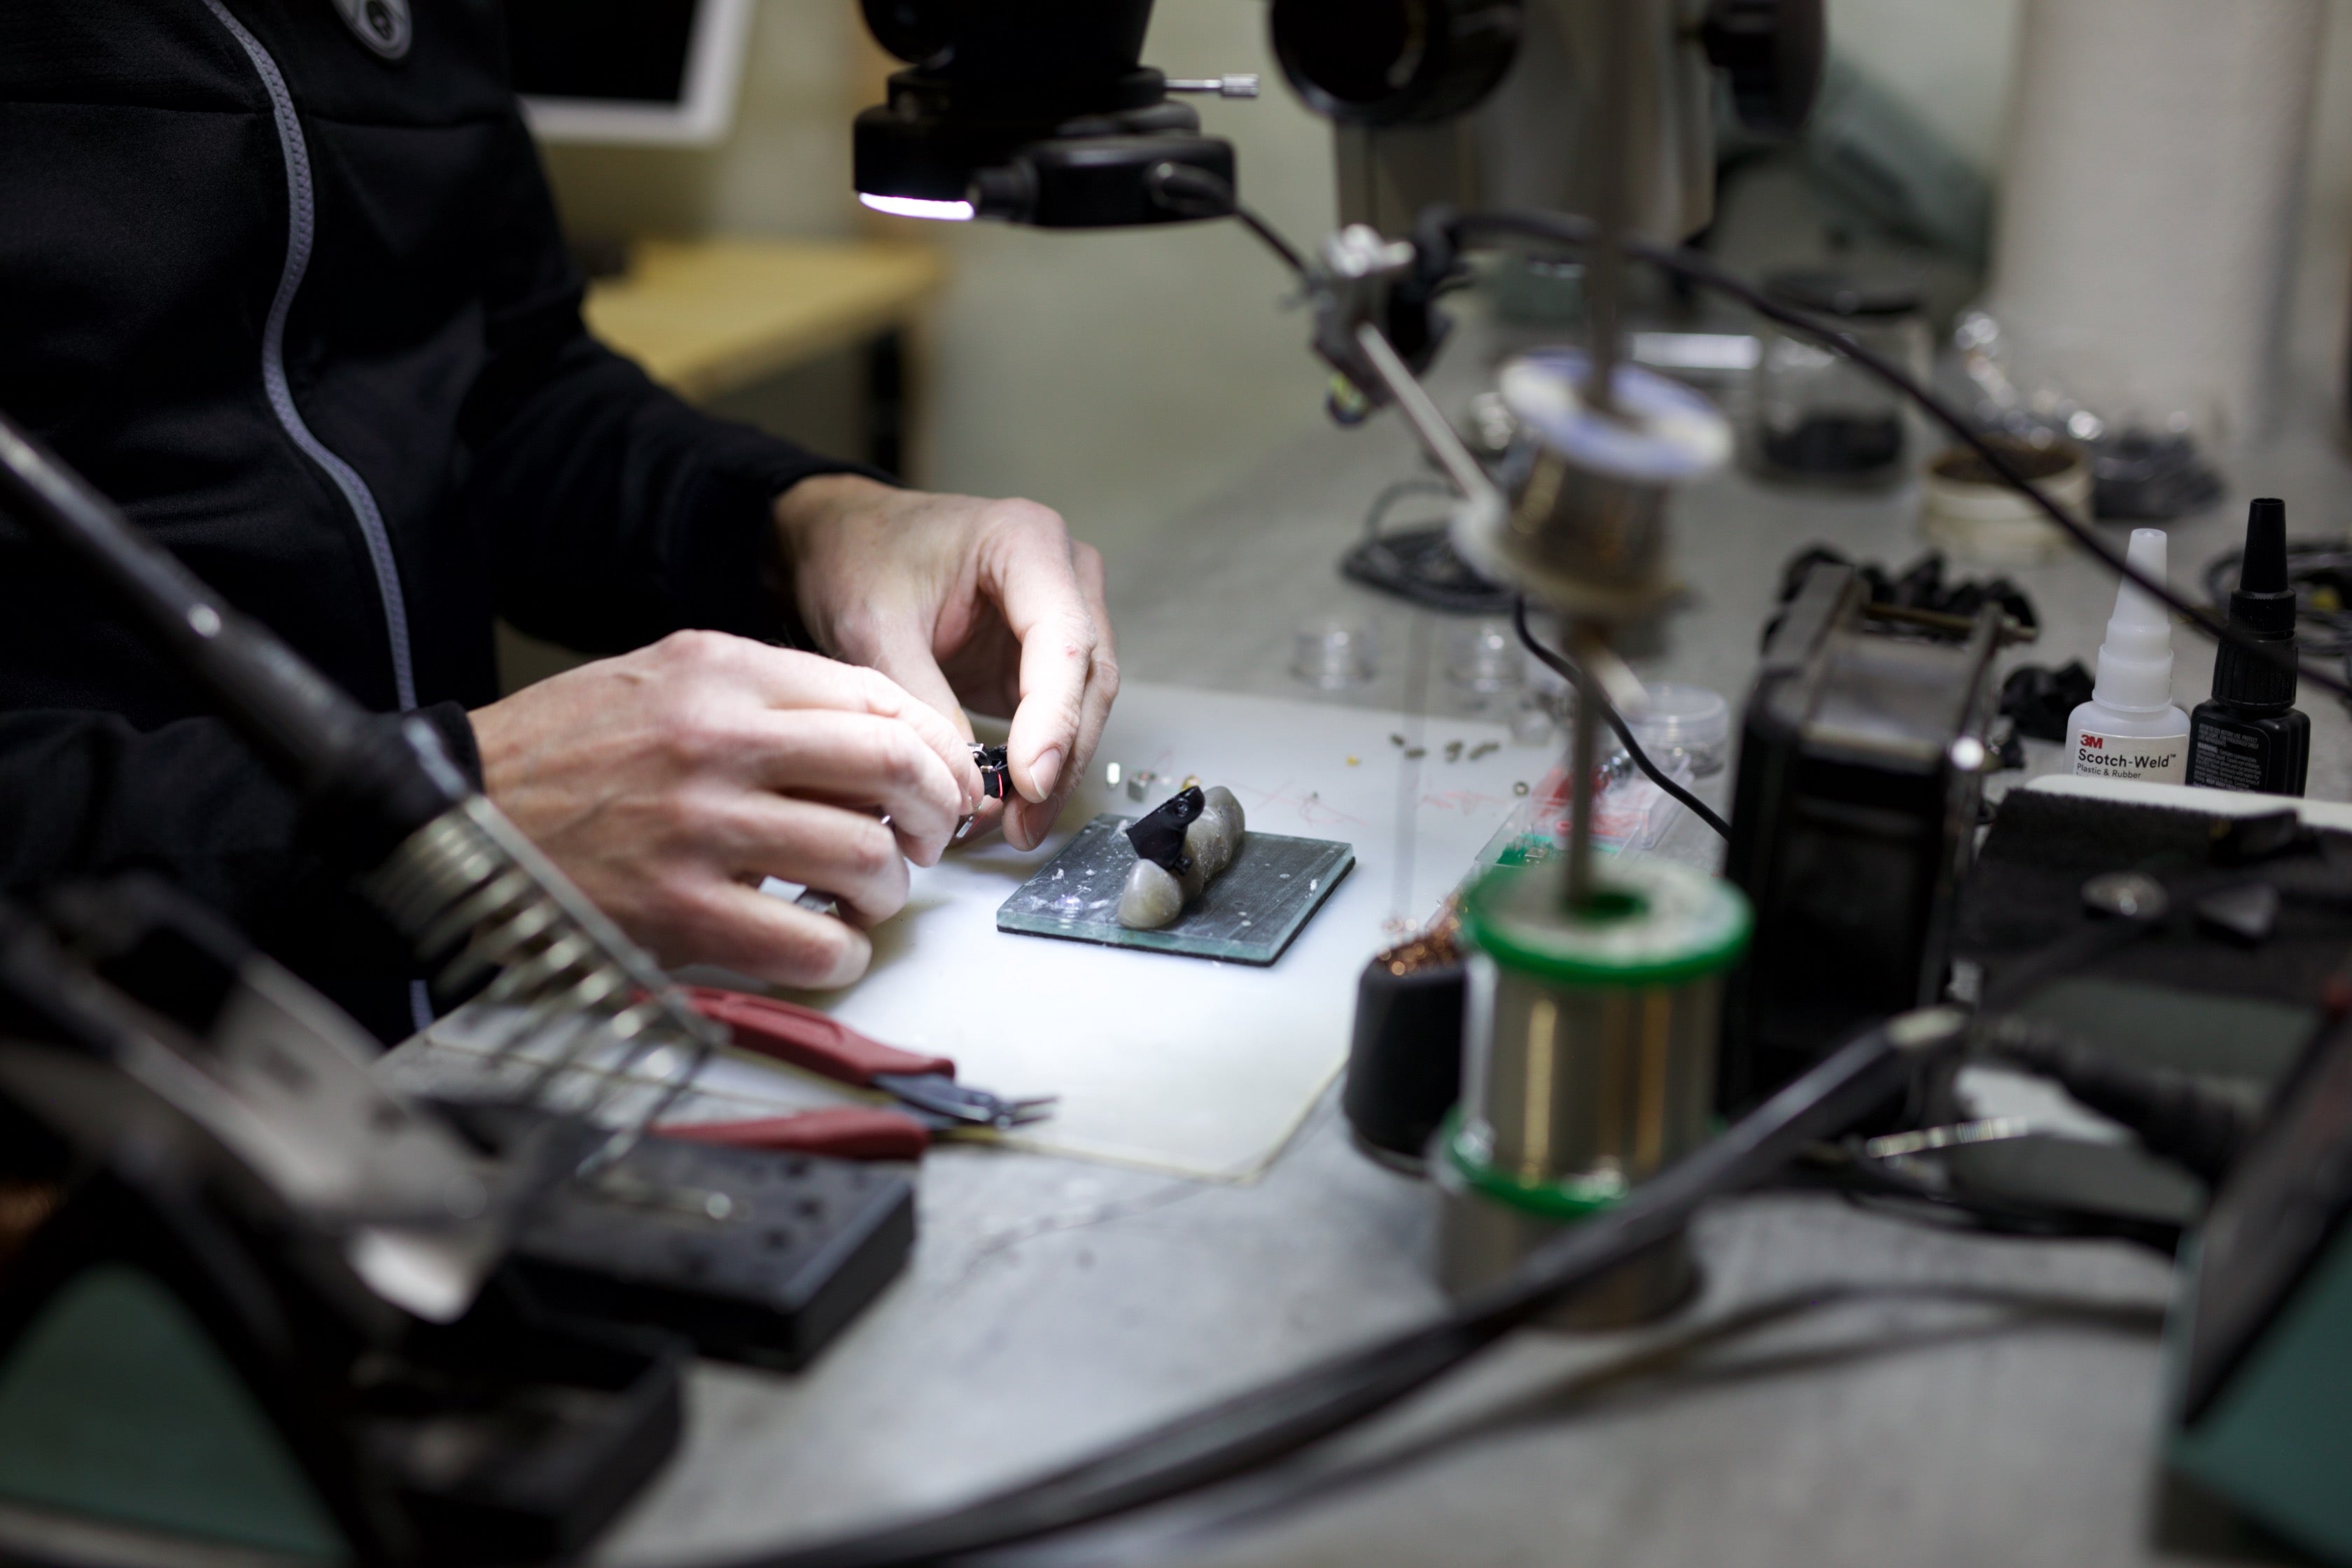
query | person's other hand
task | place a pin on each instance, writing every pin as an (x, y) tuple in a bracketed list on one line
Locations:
[(670, 783), (986, 604)]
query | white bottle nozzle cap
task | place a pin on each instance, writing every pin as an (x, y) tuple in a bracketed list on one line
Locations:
[(2135, 661)]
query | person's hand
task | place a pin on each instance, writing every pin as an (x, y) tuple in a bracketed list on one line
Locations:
[(670, 783), (966, 603)]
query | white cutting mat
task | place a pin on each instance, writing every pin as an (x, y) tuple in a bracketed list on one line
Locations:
[(1183, 1064)]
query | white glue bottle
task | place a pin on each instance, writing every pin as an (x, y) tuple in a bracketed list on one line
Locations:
[(2131, 727)]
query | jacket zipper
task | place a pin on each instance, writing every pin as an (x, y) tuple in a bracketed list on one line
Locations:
[(301, 220), (301, 230)]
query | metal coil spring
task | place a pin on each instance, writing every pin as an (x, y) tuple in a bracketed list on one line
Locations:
[(476, 898)]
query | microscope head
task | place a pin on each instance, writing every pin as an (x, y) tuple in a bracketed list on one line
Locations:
[(1037, 111)]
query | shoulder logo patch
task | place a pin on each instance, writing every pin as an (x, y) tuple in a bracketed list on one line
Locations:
[(381, 24)]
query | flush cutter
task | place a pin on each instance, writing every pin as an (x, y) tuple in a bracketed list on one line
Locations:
[(930, 1102)]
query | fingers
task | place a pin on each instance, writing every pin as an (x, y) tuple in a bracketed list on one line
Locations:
[(949, 740), (905, 655), (860, 760), (787, 680), (1028, 822), (778, 942), (846, 853), (1034, 575)]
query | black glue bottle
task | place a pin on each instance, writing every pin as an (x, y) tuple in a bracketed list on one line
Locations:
[(2250, 736)]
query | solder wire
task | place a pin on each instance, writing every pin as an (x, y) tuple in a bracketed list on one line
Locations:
[(1559, 665)]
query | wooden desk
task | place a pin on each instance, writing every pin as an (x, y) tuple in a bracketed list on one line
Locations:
[(712, 316)]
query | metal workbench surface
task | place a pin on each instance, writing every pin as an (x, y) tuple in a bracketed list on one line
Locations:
[(1845, 1388)]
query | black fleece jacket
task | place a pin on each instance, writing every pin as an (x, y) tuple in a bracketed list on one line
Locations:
[(307, 314)]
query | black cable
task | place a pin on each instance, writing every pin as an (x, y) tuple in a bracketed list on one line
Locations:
[(1198, 193), (1265, 231), (1281, 1417), (1689, 264), (2321, 571), (2175, 1115), (1879, 1192), (1561, 666), (1378, 516)]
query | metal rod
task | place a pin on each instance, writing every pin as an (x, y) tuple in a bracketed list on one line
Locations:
[(1583, 761), (1412, 400), (1608, 134)]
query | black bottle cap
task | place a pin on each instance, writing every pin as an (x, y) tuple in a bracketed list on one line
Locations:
[(2263, 607)]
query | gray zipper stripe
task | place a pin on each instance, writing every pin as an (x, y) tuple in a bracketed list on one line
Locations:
[(302, 221)]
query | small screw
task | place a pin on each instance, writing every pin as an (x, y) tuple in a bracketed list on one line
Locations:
[(1453, 751), (1414, 754)]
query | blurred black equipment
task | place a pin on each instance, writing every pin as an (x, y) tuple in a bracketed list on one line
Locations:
[(2262, 1349), (1861, 765), (203, 1089), (1037, 112)]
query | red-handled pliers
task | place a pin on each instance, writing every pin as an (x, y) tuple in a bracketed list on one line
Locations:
[(930, 1100)]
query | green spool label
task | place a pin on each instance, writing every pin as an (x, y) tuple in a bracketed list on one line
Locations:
[(1654, 924)]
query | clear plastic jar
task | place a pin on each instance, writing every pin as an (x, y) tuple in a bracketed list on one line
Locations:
[(1815, 415)]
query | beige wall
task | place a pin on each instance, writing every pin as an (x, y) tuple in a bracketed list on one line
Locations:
[(1949, 59)]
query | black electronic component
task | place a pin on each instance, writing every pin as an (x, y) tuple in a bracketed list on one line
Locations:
[(2038, 700), (991, 761), (1861, 765), (1920, 588), (2248, 735), (1159, 834)]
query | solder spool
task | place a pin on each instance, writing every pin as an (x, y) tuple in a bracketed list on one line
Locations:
[(1584, 529), (1589, 1065)]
